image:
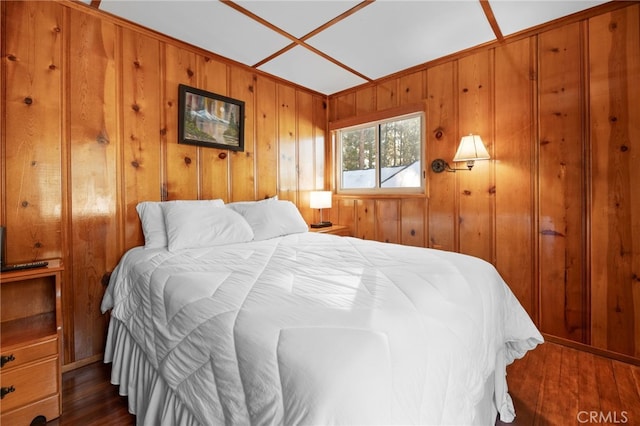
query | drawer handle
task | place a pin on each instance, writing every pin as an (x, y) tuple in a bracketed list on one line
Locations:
[(4, 391), (5, 359)]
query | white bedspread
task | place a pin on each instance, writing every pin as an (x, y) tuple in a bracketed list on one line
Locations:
[(318, 329)]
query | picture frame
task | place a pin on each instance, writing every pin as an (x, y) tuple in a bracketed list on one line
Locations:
[(210, 120)]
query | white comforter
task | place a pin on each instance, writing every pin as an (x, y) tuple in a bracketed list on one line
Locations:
[(317, 329)]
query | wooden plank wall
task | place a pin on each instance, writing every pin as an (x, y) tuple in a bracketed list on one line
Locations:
[(89, 129), (557, 209), (614, 178)]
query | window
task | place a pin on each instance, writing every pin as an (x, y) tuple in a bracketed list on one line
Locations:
[(381, 156)]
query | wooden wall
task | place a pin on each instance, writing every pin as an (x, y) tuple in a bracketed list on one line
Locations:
[(89, 129), (557, 208)]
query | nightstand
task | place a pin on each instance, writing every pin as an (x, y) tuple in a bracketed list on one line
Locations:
[(341, 230), (30, 344)]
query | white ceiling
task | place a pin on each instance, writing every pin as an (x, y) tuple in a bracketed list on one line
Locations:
[(377, 39)]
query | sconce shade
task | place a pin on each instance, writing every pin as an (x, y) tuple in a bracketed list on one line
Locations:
[(471, 148), (320, 200)]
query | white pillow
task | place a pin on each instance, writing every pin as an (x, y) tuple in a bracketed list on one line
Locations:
[(203, 225), (273, 218), (152, 219), (243, 206)]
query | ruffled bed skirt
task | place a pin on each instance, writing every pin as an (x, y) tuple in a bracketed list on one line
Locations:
[(150, 399), (154, 403)]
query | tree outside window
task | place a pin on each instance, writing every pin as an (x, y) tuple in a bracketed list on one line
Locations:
[(384, 155)]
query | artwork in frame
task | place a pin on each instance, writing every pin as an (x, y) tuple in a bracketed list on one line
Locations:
[(210, 120)]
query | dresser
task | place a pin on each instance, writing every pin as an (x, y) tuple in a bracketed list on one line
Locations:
[(30, 345)]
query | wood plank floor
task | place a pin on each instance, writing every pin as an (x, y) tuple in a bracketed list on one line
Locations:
[(551, 385), (558, 385)]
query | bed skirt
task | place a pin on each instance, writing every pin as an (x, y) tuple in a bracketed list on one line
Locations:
[(153, 402), (150, 399)]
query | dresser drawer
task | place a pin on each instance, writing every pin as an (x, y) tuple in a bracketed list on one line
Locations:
[(18, 356), (30, 383), (49, 408)]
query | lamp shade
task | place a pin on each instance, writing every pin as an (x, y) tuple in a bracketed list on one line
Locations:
[(320, 200), (471, 148)]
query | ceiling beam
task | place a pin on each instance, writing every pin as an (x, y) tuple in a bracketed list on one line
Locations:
[(337, 19), (301, 41), (486, 8)]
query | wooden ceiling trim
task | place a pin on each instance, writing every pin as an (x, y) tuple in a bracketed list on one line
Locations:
[(337, 19), (258, 19), (317, 52), (95, 3), (275, 55), (300, 41), (486, 8), (338, 63)]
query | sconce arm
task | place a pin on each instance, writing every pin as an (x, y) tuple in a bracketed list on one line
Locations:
[(439, 165)]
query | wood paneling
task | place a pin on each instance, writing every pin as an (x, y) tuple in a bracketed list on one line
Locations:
[(411, 88), (312, 152), (476, 188), (287, 135), (365, 101), (306, 151), (387, 94), (365, 219), (343, 212), (344, 106), (89, 129), (213, 163), (94, 145), (181, 161), (515, 175), (141, 153), (561, 189), (614, 65), (441, 139), (412, 216), (32, 58), (321, 148), (242, 163), (387, 220), (306, 143), (266, 138), (555, 209)]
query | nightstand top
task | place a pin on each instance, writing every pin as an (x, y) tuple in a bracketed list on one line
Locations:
[(334, 229)]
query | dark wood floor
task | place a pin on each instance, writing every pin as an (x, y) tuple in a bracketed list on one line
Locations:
[(557, 385), (552, 385), (89, 398)]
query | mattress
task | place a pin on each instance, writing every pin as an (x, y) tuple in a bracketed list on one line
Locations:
[(312, 328)]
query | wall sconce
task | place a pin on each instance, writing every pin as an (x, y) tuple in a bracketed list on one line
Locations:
[(320, 200), (471, 149)]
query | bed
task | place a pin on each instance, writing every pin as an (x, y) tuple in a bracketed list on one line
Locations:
[(236, 314)]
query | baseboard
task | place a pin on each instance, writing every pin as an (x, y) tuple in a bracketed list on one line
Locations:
[(78, 364), (596, 351)]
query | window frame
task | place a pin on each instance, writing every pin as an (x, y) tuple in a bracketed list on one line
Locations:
[(377, 121)]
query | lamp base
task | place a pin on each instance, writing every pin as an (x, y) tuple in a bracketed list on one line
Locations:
[(321, 224)]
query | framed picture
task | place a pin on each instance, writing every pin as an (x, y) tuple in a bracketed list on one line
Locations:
[(207, 119)]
